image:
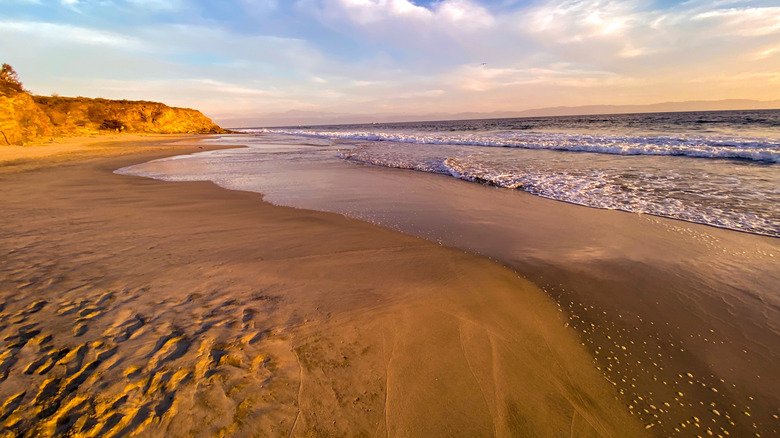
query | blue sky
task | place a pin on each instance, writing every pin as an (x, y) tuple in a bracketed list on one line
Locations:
[(243, 59)]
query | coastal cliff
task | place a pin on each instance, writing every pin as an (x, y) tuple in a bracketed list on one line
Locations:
[(79, 116), (21, 120), (25, 118)]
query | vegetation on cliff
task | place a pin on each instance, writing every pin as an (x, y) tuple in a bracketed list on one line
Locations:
[(80, 115), (9, 81), (21, 120), (25, 118)]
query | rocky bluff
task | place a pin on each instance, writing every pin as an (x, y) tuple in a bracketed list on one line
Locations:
[(25, 118)]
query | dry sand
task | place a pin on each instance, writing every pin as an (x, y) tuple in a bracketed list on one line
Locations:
[(136, 306), (64, 150)]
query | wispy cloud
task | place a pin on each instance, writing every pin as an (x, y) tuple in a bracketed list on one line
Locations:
[(227, 88), (477, 78), (396, 55), (565, 21), (63, 34), (401, 20), (743, 21), (766, 52)]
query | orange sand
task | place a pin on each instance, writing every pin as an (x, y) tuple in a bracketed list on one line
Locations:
[(136, 306)]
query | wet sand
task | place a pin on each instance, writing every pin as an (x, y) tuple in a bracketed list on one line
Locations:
[(136, 306), (682, 319)]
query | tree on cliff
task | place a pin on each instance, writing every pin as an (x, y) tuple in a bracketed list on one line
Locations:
[(9, 81)]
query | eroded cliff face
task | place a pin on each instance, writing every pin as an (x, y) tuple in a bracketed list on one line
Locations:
[(25, 118), (79, 115), (21, 120)]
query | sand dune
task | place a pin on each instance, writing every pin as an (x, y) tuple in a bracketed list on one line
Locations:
[(132, 306)]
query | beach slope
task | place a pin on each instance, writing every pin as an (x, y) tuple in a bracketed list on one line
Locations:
[(136, 306)]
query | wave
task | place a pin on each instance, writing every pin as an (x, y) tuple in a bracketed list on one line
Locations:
[(632, 190), (765, 150)]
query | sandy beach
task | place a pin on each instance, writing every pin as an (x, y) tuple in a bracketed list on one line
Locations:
[(133, 306), (406, 218), (680, 318)]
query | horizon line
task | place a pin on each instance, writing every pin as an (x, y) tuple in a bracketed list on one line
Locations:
[(528, 114)]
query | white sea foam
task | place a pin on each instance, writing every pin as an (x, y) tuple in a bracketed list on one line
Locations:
[(696, 192), (649, 173), (699, 146)]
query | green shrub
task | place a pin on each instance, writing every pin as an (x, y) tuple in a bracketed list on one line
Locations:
[(9, 81)]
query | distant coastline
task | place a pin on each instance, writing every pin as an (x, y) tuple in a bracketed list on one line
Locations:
[(297, 118)]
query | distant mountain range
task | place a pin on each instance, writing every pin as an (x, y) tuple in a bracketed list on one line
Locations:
[(293, 118)]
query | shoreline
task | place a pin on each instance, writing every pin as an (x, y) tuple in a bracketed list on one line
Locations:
[(130, 303), (661, 304), (488, 184)]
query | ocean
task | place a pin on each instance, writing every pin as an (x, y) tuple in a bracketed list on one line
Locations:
[(714, 168), (674, 314)]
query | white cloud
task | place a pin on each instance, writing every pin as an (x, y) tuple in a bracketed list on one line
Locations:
[(743, 21), (620, 35), (765, 52), (227, 88), (57, 34), (480, 78), (366, 12), (464, 13), (576, 20), (405, 55), (395, 19), (633, 52)]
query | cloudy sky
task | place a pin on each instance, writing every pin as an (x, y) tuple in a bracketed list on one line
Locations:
[(237, 59)]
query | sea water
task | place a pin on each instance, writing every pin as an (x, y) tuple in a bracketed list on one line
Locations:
[(715, 168)]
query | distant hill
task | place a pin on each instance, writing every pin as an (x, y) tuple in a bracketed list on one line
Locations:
[(292, 118), (25, 118), (692, 105)]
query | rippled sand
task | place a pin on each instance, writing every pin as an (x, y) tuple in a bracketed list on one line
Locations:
[(680, 319), (131, 306)]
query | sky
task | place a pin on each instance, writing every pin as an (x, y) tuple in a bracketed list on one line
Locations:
[(237, 60)]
